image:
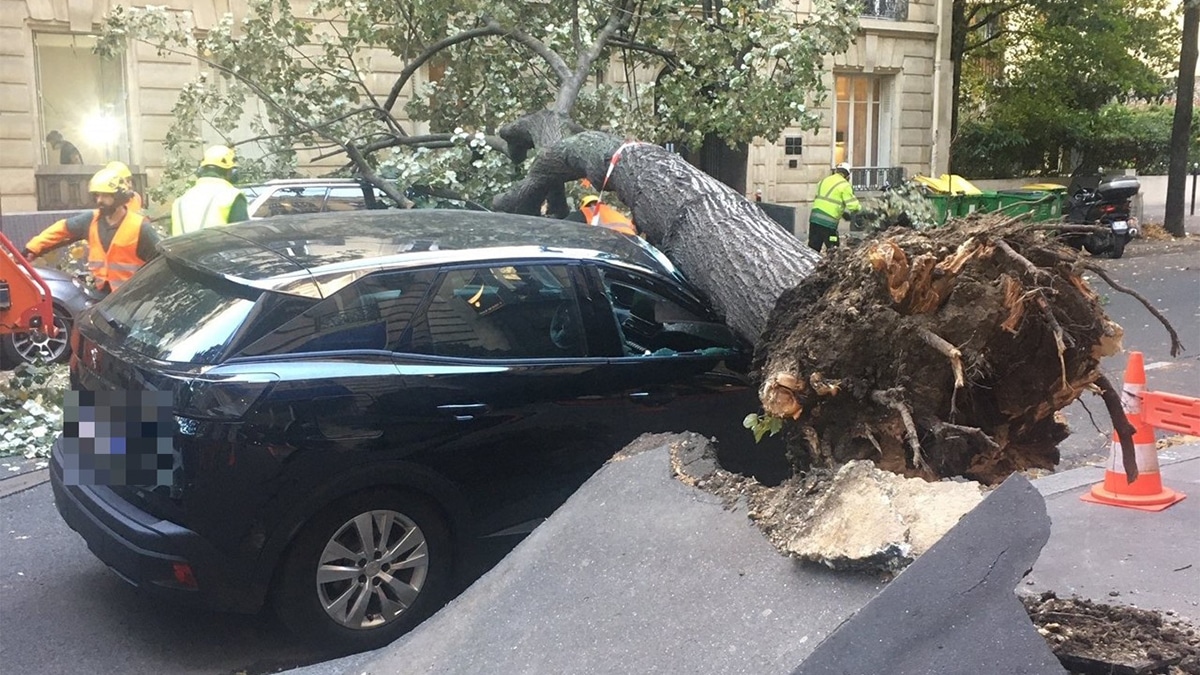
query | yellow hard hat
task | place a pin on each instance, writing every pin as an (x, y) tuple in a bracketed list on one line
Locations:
[(588, 201), (122, 172), (220, 156), (107, 182)]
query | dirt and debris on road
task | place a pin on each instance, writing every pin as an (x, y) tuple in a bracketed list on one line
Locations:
[(1092, 638)]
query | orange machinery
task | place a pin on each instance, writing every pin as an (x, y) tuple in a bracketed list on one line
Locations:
[(25, 302)]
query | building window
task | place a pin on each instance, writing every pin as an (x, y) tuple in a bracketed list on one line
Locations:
[(82, 97), (793, 145), (886, 9), (862, 121)]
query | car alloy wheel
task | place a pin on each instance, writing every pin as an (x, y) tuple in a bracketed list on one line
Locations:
[(36, 346), (372, 569), (365, 570)]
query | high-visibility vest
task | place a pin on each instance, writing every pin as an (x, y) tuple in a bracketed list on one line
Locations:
[(606, 216), (206, 204), (121, 260), (834, 197)]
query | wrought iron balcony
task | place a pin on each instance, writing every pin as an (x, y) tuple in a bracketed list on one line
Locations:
[(896, 10), (875, 177)]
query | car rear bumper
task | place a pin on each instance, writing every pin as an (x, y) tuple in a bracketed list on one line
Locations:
[(144, 550)]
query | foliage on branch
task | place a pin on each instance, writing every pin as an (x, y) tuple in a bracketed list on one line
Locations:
[(336, 81), (31, 409)]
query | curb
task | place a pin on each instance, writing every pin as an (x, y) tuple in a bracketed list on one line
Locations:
[(29, 473)]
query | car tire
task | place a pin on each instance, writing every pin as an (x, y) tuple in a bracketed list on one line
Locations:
[(21, 348), (418, 543)]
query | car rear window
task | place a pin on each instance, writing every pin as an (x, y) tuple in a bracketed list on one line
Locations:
[(173, 313)]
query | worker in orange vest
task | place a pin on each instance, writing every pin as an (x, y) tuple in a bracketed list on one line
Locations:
[(596, 213), (119, 239), (135, 202)]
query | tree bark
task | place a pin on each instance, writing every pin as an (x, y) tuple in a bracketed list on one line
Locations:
[(1181, 128), (731, 251)]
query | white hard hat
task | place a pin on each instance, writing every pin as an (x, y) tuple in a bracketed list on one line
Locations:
[(844, 166)]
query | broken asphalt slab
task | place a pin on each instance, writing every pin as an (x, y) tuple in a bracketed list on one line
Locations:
[(954, 610), (638, 572)]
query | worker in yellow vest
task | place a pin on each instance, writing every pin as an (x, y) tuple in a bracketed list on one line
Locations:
[(213, 200), (120, 240), (835, 199)]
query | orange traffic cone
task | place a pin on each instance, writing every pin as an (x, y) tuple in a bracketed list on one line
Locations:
[(1146, 492)]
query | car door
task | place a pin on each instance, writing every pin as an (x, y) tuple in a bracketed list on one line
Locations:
[(677, 368), (500, 389)]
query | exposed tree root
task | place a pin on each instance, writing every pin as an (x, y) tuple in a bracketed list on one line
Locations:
[(1176, 345), (1121, 425), (892, 399), (949, 351), (1005, 305)]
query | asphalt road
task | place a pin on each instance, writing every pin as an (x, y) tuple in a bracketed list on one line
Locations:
[(1171, 282), (62, 611)]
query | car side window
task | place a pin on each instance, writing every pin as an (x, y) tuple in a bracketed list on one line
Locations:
[(373, 313), (288, 201), (347, 198), (501, 312), (652, 323)]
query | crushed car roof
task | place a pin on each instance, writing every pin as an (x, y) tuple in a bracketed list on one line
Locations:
[(317, 254)]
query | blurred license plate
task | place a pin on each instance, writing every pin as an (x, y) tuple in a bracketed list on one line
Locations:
[(1120, 226)]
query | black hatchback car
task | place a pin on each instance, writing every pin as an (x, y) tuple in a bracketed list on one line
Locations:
[(354, 401)]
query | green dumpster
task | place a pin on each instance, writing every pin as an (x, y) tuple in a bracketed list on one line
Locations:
[(941, 207), (1044, 205), (953, 206), (965, 205)]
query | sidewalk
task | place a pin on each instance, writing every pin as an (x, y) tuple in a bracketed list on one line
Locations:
[(1124, 556)]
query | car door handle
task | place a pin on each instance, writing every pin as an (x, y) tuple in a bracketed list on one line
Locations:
[(651, 397), (464, 412)]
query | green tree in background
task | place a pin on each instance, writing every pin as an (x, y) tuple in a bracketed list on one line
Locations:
[(656, 70), (1036, 79)]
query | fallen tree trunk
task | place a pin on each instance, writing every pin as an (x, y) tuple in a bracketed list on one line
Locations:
[(932, 353), (725, 245)]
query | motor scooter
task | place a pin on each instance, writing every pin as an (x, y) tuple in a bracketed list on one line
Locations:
[(1102, 216)]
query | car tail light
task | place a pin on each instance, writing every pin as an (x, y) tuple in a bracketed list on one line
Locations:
[(183, 575), (222, 397)]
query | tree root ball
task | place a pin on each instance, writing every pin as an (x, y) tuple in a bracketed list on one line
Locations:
[(936, 353)]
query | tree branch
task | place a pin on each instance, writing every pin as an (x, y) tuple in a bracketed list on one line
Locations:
[(431, 51), (569, 91), (538, 47), (1176, 345), (369, 175)]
